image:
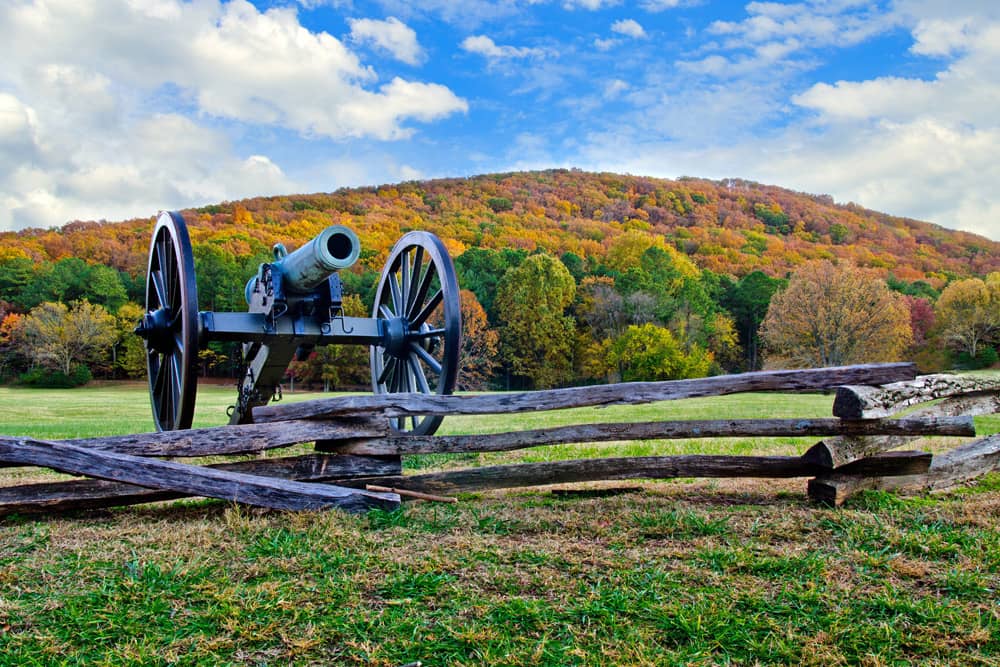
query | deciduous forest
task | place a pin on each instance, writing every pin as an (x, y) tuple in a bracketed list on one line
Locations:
[(568, 277)]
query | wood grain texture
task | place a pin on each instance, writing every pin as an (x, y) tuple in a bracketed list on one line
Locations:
[(715, 428), (962, 464), (866, 402), (403, 404), (226, 440), (889, 464), (267, 492), (838, 451), (81, 494), (590, 470)]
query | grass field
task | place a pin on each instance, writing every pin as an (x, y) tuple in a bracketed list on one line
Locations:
[(684, 572)]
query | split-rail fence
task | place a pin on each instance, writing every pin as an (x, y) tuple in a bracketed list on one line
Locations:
[(356, 461)]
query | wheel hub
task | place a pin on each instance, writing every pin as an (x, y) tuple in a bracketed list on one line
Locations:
[(154, 328), (397, 337)]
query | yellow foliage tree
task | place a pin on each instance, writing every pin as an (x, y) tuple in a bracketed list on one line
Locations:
[(968, 313), (626, 251), (57, 336)]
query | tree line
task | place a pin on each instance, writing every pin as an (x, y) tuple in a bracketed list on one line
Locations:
[(641, 311)]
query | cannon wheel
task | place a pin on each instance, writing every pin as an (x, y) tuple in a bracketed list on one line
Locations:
[(419, 301), (170, 326)]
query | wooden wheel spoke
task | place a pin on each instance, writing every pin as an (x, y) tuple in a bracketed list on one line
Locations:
[(177, 376), (165, 393), (167, 268), (158, 372), (418, 373), (431, 362), (387, 368), (396, 297), (421, 295), (430, 333), (404, 274), (159, 289), (411, 380), (178, 344), (418, 260), (386, 313), (434, 302)]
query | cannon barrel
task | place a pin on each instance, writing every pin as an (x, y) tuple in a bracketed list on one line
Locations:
[(335, 248)]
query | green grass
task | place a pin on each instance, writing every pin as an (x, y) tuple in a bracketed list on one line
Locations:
[(686, 572)]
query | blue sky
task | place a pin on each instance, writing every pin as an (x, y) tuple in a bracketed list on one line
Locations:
[(118, 108)]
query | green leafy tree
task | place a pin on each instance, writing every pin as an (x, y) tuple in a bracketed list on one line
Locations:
[(650, 352), (221, 280), (480, 270), (573, 264), (59, 337), (104, 287), (536, 333), (15, 275), (831, 315), (747, 300)]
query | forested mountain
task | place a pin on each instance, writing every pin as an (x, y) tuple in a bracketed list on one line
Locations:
[(570, 276), (729, 227)]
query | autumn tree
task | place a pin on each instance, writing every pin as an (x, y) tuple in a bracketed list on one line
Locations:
[(536, 334), (129, 351), (480, 346), (921, 318), (601, 307), (10, 324), (831, 315), (968, 313), (58, 337), (601, 316)]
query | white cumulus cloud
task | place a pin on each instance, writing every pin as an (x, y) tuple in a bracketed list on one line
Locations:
[(391, 35), (115, 108), (920, 147), (589, 5), (484, 46), (629, 28)]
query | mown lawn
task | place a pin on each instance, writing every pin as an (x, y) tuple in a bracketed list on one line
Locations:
[(680, 572)]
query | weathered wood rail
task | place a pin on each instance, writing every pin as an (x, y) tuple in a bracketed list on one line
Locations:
[(356, 448)]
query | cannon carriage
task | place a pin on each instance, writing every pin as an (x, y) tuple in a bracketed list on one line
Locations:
[(294, 303)]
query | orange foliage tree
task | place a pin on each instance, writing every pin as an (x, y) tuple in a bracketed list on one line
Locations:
[(831, 315), (480, 346)]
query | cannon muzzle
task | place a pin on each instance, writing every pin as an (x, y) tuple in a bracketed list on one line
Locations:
[(302, 271), (336, 248)]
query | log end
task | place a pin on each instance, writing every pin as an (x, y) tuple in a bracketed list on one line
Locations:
[(848, 403)]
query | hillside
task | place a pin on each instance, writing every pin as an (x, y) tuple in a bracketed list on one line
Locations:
[(730, 227)]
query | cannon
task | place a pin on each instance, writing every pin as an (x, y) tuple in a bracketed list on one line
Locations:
[(294, 303)]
